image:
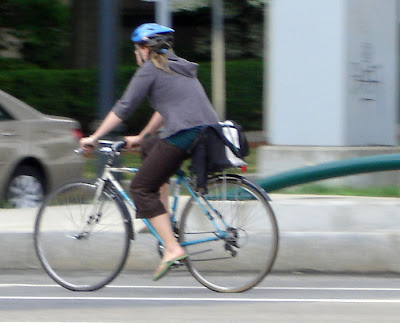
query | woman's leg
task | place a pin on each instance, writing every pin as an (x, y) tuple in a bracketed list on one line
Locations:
[(172, 249), (164, 195), (150, 194)]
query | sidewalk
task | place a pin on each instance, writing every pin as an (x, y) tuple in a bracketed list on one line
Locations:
[(329, 234)]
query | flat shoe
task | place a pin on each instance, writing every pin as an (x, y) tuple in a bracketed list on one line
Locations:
[(167, 266)]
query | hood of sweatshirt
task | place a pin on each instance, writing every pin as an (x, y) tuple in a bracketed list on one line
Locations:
[(182, 66)]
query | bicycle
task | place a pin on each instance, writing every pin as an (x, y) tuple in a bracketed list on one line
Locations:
[(230, 233)]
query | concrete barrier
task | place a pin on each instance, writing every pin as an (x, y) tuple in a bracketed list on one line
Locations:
[(323, 234)]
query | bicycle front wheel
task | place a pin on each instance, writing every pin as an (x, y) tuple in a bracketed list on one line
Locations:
[(82, 236), (235, 250)]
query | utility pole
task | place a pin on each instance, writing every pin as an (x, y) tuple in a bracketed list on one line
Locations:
[(266, 107), (218, 58), (107, 54), (107, 44), (163, 14)]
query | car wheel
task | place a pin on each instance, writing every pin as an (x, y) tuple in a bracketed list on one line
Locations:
[(26, 188)]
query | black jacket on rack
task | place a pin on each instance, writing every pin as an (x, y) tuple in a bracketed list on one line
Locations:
[(209, 154)]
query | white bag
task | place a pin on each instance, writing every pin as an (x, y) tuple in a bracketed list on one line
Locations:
[(232, 134)]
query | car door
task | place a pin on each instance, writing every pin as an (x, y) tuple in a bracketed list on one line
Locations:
[(9, 143)]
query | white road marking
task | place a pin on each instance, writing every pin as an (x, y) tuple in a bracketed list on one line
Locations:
[(206, 299), (202, 287)]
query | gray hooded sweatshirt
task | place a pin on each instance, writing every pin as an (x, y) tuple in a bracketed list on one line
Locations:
[(178, 96)]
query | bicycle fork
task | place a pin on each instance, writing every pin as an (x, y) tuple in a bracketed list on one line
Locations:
[(94, 214)]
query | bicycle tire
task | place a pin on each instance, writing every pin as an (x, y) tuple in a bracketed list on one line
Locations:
[(240, 262), (77, 255)]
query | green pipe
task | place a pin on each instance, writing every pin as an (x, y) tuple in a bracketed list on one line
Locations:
[(368, 164)]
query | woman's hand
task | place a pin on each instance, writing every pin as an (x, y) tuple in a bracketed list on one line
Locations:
[(133, 141), (88, 144)]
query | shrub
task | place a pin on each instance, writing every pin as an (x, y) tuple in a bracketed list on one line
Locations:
[(42, 26), (10, 64), (73, 93)]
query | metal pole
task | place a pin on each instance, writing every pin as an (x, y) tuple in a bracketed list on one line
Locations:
[(107, 54), (108, 13), (266, 108), (218, 58), (163, 14)]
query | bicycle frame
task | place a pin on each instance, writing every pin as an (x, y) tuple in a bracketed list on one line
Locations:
[(107, 176), (80, 219)]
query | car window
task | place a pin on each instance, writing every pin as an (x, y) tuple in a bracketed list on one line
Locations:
[(4, 116)]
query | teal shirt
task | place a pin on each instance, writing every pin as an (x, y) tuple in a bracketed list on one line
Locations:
[(184, 138)]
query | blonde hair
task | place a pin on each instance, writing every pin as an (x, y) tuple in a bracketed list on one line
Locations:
[(160, 61)]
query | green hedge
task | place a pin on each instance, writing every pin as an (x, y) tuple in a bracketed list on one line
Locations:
[(10, 64), (73, 93)]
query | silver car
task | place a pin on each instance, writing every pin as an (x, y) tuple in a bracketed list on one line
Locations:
[(36, 152)]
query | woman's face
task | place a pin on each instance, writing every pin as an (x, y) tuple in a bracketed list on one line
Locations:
[(142, 54)]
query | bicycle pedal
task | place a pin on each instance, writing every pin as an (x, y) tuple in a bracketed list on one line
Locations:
[(177, 264)]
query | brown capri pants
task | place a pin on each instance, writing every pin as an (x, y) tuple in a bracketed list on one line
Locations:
[(160, 160)]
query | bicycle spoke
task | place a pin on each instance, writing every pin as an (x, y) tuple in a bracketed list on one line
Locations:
[(248, 244), (73, 235)]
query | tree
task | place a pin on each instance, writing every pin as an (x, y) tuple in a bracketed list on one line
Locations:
[(42, 26), (244, 26)]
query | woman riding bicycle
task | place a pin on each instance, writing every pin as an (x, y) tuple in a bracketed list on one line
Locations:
[(181, 107)]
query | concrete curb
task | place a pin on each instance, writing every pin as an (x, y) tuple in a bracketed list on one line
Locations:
[(323, 234)]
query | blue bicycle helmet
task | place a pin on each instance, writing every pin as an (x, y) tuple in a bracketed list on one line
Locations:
[(155, 36)]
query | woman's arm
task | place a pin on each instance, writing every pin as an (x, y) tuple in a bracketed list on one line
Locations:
[(108, 124), (154, 124)]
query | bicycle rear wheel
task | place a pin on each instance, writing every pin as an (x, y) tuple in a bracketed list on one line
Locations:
[(82, 244), (242, 258)]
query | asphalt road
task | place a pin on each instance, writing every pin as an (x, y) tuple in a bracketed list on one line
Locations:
[(30, 296)]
